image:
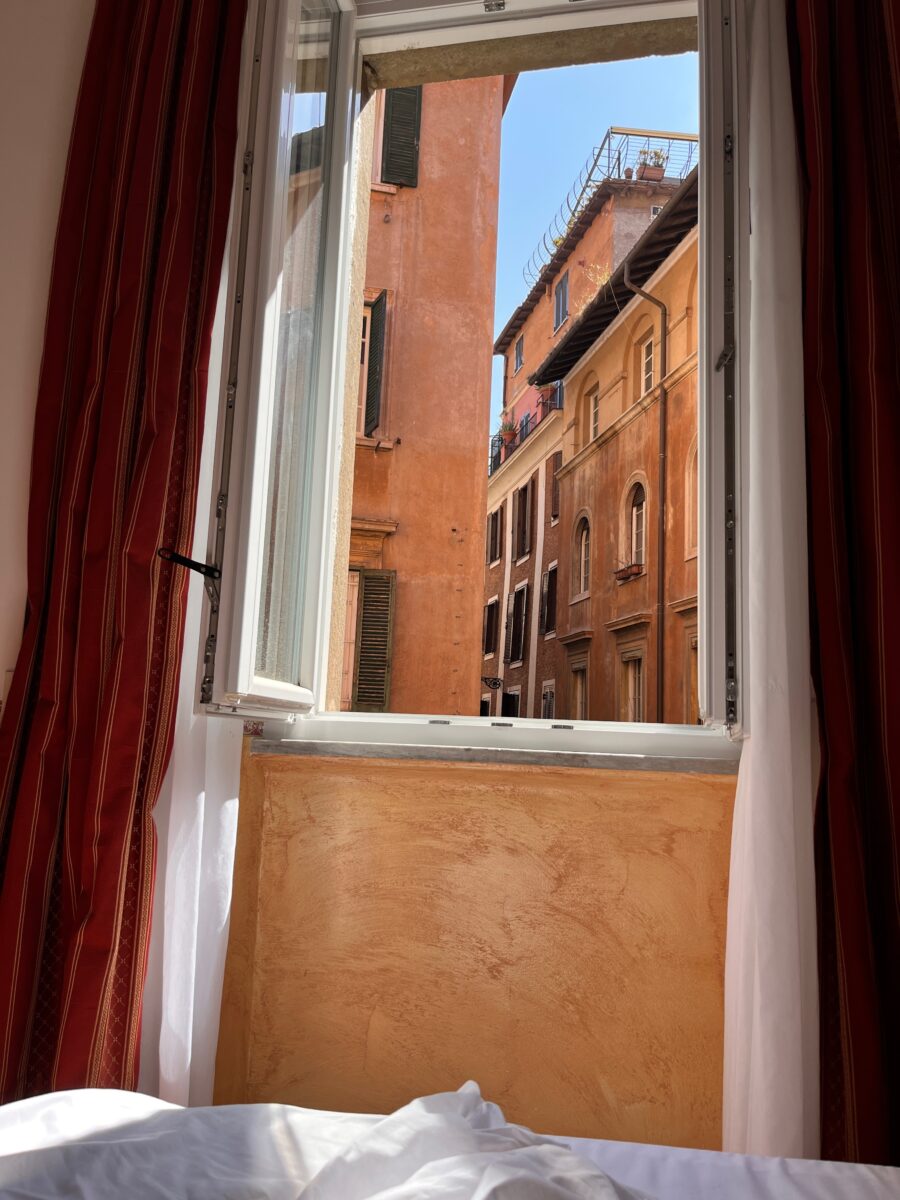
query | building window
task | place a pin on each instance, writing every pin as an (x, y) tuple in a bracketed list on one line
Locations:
[(491, 627), (647, 365), (371, 366), (509, 703), (561, 301), (524, 426), (374, 641), (400, 142), (520, 352), (484, 709), (655, 210), (516, 616), (581, 574), (594, 406), (579, 693), (637, 521), (547, 622), (522, 510), (633, 689), (548, 700), (494, 538), (555, 464)]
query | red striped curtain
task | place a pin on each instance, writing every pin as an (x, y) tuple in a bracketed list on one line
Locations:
[(847, 87), (87, 729)]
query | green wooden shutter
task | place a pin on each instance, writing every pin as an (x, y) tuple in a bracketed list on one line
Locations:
[(374, 641), (400, 148), (376, 364)]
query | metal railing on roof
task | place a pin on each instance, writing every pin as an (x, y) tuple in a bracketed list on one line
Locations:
[(623, 154)]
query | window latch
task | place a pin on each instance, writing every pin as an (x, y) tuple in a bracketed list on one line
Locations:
[(725, 357), (210, 572)]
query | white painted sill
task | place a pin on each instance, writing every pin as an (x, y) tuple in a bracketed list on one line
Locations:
[(516, 741)]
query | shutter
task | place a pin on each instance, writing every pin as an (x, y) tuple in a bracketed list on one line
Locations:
[(529, 513), (489, 538), (545, 590), (485, 648), (554, 489), (374, 641), (510, 611), (550, 614), (376, 365), (400, 148)]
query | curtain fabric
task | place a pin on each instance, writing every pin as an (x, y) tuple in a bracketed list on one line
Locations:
[(847, 87), (771, 1050), (87, 728)]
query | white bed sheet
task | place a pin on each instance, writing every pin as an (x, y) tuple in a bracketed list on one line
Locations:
[(102, 1144), (670, 1173)]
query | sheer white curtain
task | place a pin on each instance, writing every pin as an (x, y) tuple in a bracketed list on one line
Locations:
[(196, 824), (771, 1005)]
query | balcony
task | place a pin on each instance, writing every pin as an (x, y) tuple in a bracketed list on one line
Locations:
[(504, 446)]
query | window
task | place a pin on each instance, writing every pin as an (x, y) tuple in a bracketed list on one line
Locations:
[(484, 708), (593, 399), (374, 638), (561, 301), (509, 704), (647, 365), (638, 513), (548, 699), (520, 352), (579, 694), (655, 210), (491, 627), (272, 647), (547, 620), (524, 426), (556, 463), (516, 616), (400, 146), (495, 535), (633, 690), (522, 512), (581, 559), (371, 368)]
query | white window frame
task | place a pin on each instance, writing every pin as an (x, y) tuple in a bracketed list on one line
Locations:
[(638, 526), (647, 365), (721, 32), (561, 289), (519, 353)]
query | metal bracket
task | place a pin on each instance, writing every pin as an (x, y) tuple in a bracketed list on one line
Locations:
[(210, 572)]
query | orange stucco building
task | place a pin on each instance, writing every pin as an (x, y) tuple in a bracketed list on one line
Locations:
[(416, 541), (526, 669), (627, 627)]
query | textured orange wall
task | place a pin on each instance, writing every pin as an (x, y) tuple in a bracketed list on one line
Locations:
[(556, 934)]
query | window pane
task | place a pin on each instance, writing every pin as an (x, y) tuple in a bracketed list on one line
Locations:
[(292, 324)]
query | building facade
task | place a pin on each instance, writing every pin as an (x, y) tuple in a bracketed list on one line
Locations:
[(610, 612), (416, 539)]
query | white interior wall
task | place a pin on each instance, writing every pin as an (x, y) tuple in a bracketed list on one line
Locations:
[(42, 46)]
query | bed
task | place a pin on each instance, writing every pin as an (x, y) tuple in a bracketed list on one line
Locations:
[(455, 1145)]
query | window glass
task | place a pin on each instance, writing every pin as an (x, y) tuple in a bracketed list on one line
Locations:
[(561, 301), (289, 359), (638, 510), (647, 365), (520, 352)]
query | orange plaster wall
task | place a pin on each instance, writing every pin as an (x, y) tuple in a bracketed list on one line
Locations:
[(433, 249), (555, 933)]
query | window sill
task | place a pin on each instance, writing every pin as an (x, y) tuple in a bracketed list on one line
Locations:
[(515, 741), (495, 562), (580, 597), (561, 325), (524, 559), (548, 636), (519, 662), (375, 443), (389, 189)]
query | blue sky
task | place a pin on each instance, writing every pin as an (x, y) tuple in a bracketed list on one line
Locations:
[(553, 121)]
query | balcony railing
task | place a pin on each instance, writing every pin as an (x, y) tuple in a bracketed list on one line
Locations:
[(503, 446)]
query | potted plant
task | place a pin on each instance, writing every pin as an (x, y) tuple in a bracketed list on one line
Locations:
[(651, 164), (507, 432)]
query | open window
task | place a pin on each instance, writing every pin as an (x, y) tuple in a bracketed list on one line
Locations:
[(311, 140)]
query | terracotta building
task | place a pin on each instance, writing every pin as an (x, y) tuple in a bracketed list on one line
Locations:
[(416, 541), (626, 628), (623, 191)]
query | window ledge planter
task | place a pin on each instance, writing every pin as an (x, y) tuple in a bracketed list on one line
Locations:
[(651, 172)]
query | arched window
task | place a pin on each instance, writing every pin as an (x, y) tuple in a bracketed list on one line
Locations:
[(581, 575), (638, 521)]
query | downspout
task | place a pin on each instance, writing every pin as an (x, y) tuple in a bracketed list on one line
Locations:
[(661, 516)]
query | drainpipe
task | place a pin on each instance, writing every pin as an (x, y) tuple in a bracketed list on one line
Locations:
[(661, 521)]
